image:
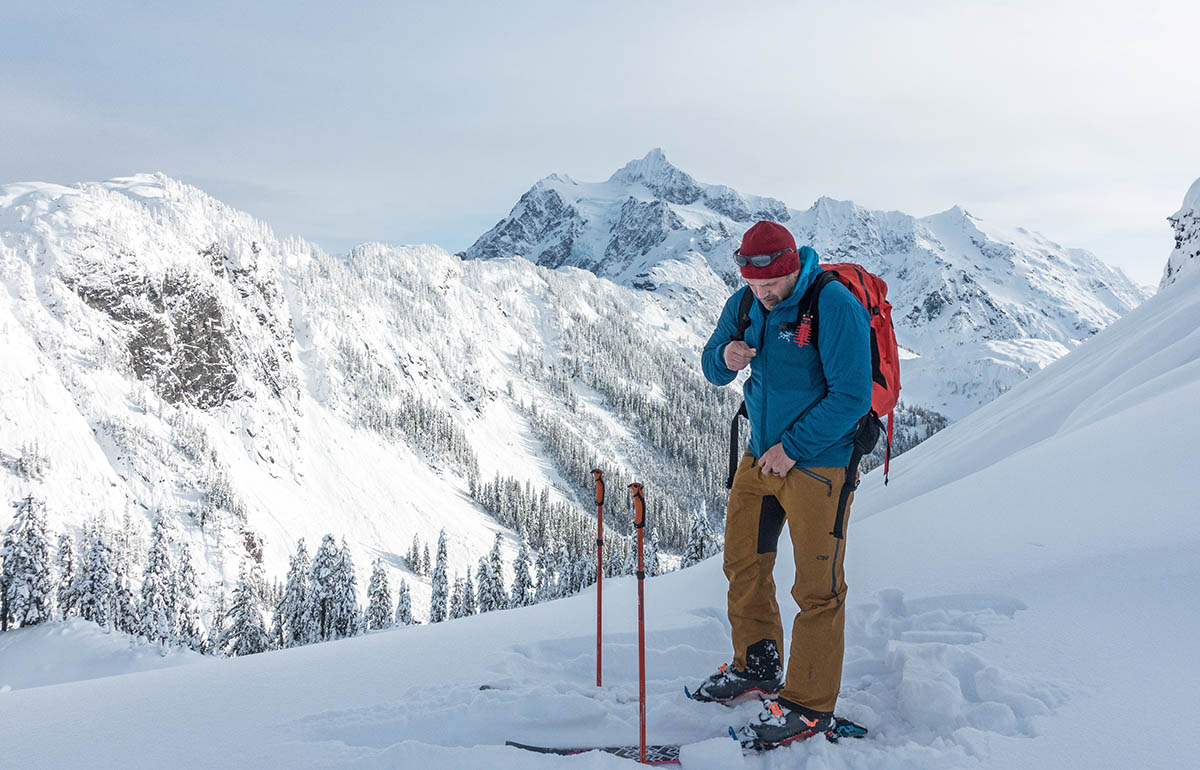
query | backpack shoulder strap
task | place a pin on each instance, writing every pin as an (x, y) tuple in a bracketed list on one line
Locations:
[(808, 303), (805, 325), (743, 316)]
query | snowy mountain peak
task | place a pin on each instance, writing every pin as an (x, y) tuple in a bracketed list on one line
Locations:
[(955, 216), (1186, 222), (554, 180), (653, 166), (826, 206), (143, 185), (657, 174)]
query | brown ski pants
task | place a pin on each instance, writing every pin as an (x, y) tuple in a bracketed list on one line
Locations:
[(806, 498)]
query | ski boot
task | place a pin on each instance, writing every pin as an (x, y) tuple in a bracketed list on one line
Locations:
[(762, 677), (781, 722)]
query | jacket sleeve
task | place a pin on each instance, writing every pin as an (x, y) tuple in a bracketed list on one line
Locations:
[(844, 344), (712, 360)]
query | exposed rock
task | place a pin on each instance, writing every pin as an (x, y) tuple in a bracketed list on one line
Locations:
[(1186, 223), (639, 228)]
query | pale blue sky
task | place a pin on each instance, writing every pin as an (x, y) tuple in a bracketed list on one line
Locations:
[(424, 122)]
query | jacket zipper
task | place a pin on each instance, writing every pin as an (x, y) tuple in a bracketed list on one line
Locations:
[(763, 352)]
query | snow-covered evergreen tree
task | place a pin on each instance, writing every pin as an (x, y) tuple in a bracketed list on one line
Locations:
[(496, 563), (126, 618), (220, 619), (349, 616), (439, 587), (563, 572), (323, 589), (158, 609), (246, 634), (456, 599), (129, 544), (522, 590), (292, 624), (188, 631), (484, 580), (26, 590), (426, 564), (585, 569), (68, 603), (379, 599), (699, 539), (631, 560), (650, 557), (413, 558), (404, 615), (544, 589), (468, 599), (95, 586)]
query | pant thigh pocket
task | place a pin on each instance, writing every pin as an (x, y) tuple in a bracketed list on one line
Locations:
[(826, 482)]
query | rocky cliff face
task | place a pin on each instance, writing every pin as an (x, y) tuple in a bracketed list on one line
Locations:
[(1186, 222), (978, 307), (201, 326)]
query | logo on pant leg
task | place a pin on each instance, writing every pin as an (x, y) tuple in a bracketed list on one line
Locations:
[(822, 558)]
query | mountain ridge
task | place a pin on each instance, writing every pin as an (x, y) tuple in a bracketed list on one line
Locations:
[(171, 354), (972, 300)]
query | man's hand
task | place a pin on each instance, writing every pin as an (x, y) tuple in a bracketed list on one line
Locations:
[(738, 355), (775, 461)]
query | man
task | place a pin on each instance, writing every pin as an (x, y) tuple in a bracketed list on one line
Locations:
[(803, 398)]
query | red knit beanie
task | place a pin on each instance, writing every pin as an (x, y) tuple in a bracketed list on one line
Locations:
[(769, 238)]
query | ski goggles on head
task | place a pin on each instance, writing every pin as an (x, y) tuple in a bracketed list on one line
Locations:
[(758, 260)]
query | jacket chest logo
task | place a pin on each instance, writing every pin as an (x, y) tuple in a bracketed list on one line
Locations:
[(799, 333)]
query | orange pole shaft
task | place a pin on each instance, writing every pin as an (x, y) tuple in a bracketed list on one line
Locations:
[(639, 522), (598, 475)]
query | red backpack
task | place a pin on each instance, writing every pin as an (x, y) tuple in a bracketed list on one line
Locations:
[(871, 291)]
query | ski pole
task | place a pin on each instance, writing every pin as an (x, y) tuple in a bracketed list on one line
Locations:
[(598, 475), (639, 523)]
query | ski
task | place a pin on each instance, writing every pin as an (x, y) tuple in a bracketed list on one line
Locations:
[(668, 753), (661, 754)]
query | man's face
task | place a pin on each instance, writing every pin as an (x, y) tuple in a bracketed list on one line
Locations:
[(772, 291)]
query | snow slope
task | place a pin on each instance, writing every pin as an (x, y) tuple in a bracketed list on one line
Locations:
[(1021, 595), (75, 650)]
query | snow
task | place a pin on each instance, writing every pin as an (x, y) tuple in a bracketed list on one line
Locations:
[(77, 650), (713, 754), (1191, 201), (1021, 595)]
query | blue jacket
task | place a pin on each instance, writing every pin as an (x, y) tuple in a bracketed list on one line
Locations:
[(808, 398)]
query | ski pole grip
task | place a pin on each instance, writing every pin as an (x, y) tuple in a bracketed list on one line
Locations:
[(639, 505), (598, 475)]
